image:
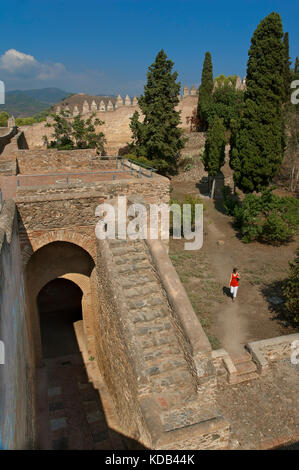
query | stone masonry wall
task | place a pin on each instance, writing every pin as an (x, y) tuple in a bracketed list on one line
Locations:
[(113, 357), (6, 136), (48, 207), (116, 125), (269, 350), (53, 161), (17, 430)]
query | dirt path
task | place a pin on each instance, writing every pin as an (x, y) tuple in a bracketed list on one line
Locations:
[(230, 323), (206, 273)]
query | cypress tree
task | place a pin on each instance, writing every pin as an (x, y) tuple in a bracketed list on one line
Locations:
[(259, 143), (214, 153), (205, 93), (158, 136), (288, 71), (296, 70)]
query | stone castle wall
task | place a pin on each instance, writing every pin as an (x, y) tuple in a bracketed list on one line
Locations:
[(17, 415), (6, 135), (116, 125)]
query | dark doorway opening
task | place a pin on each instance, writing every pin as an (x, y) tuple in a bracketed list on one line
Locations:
[(60, 306)]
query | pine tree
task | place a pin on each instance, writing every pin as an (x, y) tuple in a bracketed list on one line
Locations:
[(296, 70), (288, 71), (214, 153), (259, 143), (205, 93), (158, 137)]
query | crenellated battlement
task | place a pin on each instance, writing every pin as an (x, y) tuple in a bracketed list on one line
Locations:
[(82, 104), (75, 105)]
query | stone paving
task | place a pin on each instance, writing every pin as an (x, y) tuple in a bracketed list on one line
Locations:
[(75, 415), (263, 413)]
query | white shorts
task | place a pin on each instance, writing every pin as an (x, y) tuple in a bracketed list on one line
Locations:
[(233, 290)]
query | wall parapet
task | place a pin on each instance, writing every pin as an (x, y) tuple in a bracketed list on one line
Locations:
[(179, 300), (17, 392), (270, 350)]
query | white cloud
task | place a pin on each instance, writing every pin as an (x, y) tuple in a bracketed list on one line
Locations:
[(22, 65), (48, 72), (13, 60), (23, 71)]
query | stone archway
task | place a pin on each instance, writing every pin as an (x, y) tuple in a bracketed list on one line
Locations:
[(84, 283), (60, 310), (37, 240), (58, 259)]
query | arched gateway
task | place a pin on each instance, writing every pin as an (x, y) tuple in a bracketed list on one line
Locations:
[(58, 260)]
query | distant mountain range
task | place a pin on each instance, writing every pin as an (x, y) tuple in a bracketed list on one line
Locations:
[(25, 103)]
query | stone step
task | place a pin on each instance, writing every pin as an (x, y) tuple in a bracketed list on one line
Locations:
[(156, 340), (161, 351), (158, 364), (117, 243), (148, 314), (243, 378), (129, 258), (136, 280), (145, 301), (243, 356), (176, 397), (142, 290), (126, 249), (177, 378), (186, 415), (245, 368), (154, 328), (129, 268)]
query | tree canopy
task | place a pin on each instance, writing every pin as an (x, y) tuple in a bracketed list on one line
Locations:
[(205, 93), (158, 137), (77, 133), (258, 142)]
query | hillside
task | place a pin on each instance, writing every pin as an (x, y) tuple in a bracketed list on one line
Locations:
[(25, 103)]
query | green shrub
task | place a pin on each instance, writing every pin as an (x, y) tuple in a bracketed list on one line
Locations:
[(267, 218), (187, 163), (291, 290), (230, 201), (159, 165), (192, 200)]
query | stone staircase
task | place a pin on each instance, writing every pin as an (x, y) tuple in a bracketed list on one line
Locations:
[(173, 386), (234, 368), (246, 368)]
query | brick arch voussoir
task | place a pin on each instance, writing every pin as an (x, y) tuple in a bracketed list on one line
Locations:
[(64, 236)]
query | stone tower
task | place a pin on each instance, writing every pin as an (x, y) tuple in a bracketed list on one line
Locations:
[(109, 106), (11, 122), (93, 106), (85, 108), (119, 102), (76, 111), (185, 91), (127, 101), (193, 91), (102, 106)]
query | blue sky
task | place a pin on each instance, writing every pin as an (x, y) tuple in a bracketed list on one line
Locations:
[(106, 46)]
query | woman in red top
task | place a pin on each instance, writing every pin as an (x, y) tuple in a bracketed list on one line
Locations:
[(234, 283)]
